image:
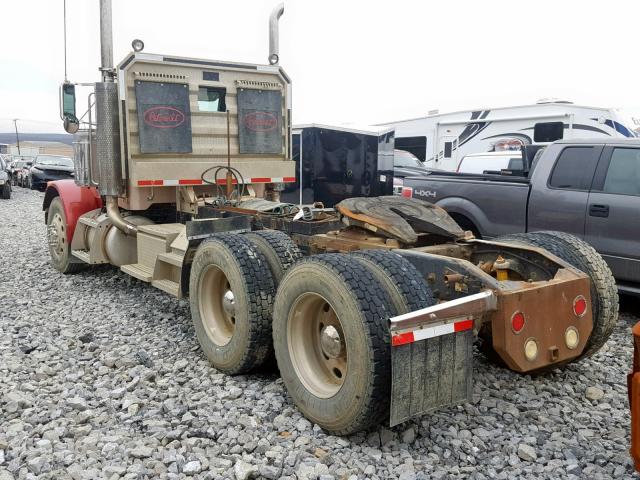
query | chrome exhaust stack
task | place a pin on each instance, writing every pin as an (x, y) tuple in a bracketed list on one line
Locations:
[(274, 48), (106, 42), (108, 127)]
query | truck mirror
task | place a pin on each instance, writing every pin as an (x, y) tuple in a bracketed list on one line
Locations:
[(67, 100), (68, 107)]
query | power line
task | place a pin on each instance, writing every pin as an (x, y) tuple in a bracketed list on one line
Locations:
[(6, 119), (15, 123)]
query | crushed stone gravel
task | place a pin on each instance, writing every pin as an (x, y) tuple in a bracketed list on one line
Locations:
[(101, 377)]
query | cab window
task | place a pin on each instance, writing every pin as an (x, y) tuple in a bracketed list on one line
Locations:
[(211, 99), (623, 175), (574, 168)]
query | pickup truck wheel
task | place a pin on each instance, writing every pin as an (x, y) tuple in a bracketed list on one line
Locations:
[(466, 224), (604, 293), (59, 246), (400, 279), (231, 297), (332, 344), (6, 191), (278, 249)]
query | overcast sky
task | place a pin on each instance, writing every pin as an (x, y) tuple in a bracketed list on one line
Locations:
[(350, 61)]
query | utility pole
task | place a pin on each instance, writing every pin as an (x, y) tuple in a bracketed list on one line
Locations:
[(15, 123)]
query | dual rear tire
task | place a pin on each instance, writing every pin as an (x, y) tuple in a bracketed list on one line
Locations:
[(331, 334), (231, 295), (325, 317), (232, 289), (581, 255)]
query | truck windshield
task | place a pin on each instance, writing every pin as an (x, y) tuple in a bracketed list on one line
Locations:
[(406, 159), (54, 160)]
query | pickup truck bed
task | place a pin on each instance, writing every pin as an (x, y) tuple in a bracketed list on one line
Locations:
[(590, 189)]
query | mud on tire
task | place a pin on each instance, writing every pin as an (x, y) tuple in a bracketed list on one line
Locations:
[(400, 279), (234, 331), (339, 289), (581, 255), (278, 249), (59, 246)]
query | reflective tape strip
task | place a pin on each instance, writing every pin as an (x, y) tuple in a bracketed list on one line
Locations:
[(149, 183), (220, 181), (405, 338)]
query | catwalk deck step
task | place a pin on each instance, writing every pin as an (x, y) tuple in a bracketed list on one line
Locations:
[(168, 286), (82, 255), (141, 272), (171, 258)]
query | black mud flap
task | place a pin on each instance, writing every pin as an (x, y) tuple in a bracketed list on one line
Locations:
[(430, 369)]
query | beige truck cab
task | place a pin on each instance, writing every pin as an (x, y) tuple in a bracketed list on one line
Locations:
[(182, 117)]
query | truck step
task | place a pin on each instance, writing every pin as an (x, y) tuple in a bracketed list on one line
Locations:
[(168, 286), (82, 255), (167, 231), (171, 258), (141, 272), (88, 221)]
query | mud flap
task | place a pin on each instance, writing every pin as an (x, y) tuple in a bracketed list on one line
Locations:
[(431, 369)]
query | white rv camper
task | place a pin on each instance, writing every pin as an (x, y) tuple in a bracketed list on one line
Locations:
[(441, 140)]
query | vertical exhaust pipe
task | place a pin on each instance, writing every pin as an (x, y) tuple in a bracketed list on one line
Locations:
[(108, 126), (106, 41), (274, 47)]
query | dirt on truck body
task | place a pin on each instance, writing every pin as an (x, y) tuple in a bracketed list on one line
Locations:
[(370, 309)]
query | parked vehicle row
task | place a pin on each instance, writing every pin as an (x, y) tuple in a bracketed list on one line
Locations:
[(35, 174), (589, 188), (5, 184)]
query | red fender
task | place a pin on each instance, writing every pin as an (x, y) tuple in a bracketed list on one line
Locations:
[(633, 385), (75, 201)]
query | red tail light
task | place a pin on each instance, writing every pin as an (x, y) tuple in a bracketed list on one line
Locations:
[(580, 306), (407, 192), (517, 322)]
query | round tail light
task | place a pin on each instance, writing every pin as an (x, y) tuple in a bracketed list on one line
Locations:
[(580, 306), (517, 322), (531, 349), (571, 338)]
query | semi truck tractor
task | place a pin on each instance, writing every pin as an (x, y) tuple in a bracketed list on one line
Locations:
[(370, 308)]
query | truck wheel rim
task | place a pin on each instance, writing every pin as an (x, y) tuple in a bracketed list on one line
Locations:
[(217, 306), (56, 237), (317, 346)]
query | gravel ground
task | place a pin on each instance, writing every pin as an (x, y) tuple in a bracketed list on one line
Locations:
[(101, 377)]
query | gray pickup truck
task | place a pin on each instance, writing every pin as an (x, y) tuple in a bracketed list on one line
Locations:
[(585, 187)]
